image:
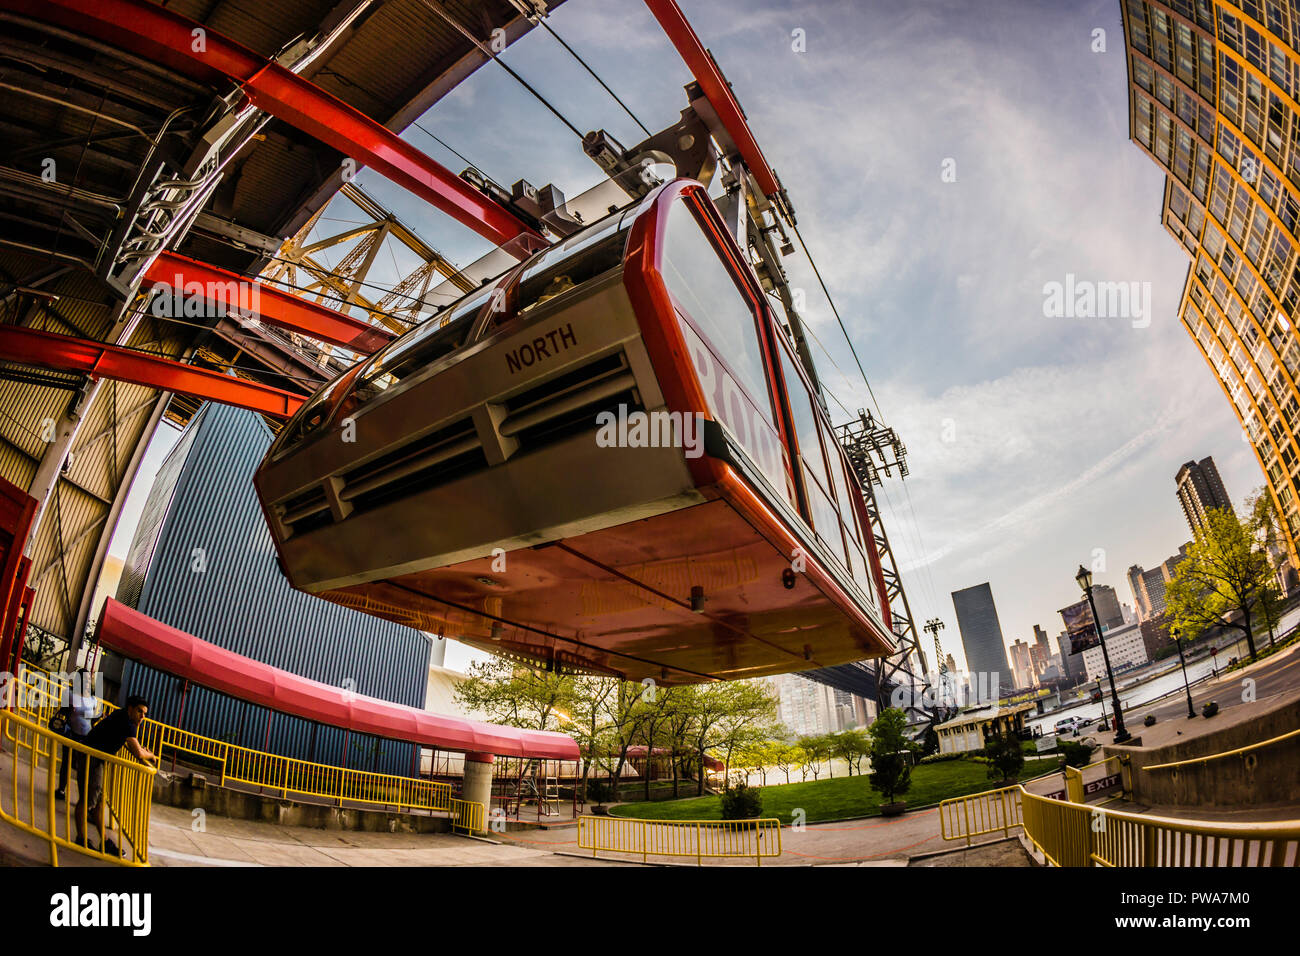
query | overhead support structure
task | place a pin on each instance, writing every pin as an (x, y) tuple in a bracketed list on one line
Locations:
[(98, 360), (873, 450), (718, 92), (273, 306), (151, 31)]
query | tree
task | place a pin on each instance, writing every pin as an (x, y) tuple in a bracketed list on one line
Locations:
[(1225, 575), (588, 722), (891, 767), (1005, 755), (815, 750), (506, 692), (930, 741), (809, 757), (785, 756), (748, 710), (851, 746)]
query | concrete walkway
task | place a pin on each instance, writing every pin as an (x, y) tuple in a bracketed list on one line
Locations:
[(173, 841), (873, 841)]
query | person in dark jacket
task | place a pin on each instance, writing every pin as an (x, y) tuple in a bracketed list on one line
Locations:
[(108, 737)]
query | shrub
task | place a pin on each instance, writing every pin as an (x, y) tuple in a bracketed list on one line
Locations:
[(940, 758), (1005, 756), (1210, 709), (891, 754), (598, 791), (1077, 753), (742, 802), (1150, 721)]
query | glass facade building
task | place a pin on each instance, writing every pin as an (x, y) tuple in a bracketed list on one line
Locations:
[(1213, 97)]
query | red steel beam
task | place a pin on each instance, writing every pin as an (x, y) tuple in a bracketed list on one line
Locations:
[(716, 91), (272, 306), (199, 52), (68, 354)]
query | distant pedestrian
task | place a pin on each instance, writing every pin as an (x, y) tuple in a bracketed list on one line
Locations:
[(108, 737), (80, 710)]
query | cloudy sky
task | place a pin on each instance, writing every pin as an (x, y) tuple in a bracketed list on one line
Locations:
[(1035, 443)]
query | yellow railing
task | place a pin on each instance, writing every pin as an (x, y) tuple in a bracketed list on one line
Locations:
[(467, 815), (725, 839), (29, 777), (1227, 753), (1072, 834), (40, 694), (980, 813)]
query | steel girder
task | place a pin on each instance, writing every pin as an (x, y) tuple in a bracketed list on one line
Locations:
[(197, 51), (50, 350), (274, 306)]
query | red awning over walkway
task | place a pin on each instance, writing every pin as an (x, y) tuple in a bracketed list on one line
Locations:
[(151, 642)]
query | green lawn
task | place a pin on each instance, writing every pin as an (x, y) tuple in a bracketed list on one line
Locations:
[(842, 797)]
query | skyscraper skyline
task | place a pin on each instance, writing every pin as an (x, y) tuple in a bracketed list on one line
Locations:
[(981, 633)]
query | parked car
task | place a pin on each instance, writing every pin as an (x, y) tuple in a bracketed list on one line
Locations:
[(1068, 725)]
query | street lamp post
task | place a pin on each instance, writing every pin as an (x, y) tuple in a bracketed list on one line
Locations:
[(1191, 711), (1101, 696), (1084, 579)]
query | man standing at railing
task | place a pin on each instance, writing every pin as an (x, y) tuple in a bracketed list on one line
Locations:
[(107, 736)]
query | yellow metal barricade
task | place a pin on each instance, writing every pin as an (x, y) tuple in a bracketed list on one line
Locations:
[(467, 815), (716, 839), (39, 694), (29, 777), (1073, 834), (980, 813)]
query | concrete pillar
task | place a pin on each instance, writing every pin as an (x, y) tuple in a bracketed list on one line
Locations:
[(477, 784)]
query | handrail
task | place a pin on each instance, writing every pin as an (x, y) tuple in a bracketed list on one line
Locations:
[(128, 792), (243, 765), (1226, 753), (724, 839), (1071, 834)]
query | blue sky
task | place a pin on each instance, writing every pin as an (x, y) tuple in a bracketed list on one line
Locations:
[(1034, 442)]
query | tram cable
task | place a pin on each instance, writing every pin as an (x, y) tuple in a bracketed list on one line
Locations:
[(926, 574), (491, 55), (547, 27)]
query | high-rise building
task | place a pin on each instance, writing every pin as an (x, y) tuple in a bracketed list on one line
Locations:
[(1212, 101), (1200, 489), (1022, 666), (1109, 614), (808, 708), (1040, 658), (1149, 586), (981, 634), (201, 560), (1125, 647)]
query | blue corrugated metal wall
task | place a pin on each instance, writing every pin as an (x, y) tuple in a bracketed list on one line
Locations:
[(204, 563)]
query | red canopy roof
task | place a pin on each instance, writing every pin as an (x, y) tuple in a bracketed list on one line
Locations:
[(151, 642)]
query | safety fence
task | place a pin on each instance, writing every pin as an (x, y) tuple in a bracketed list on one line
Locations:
[(40, 694), (1074, 834), (29, 778), (715, 839), (980, 814)]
